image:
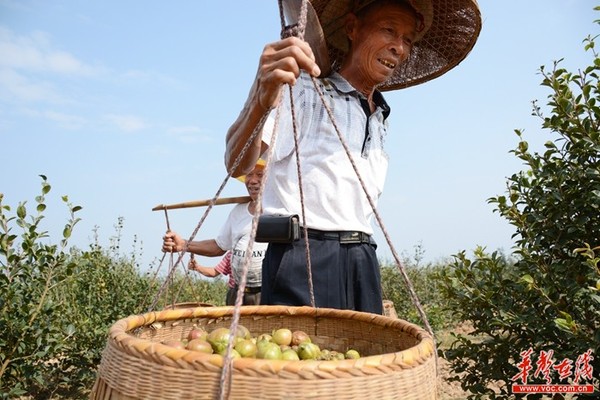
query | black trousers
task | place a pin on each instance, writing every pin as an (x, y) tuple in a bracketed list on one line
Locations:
[(345, 276)]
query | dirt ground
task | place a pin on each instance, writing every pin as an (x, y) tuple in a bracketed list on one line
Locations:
[(448, 390), (451, 390)]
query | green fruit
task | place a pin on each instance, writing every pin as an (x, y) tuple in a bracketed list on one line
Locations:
[(264, 337), (325, 355), (262, 343), (243, 332), (270, 351), (282, 336), (234, 353), (284, 347), (246, 348), (290, 355), (308, 351), (219, 338), (352, 354)]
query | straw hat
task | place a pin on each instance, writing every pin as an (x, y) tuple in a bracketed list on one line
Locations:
[(259, 163), (449, 31)]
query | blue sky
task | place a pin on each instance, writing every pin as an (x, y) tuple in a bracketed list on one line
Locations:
[(124, 105)]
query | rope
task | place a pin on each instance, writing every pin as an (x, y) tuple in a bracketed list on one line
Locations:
[(226, 376), (207, 211), (299, 30), (303, 208), (407, 281)]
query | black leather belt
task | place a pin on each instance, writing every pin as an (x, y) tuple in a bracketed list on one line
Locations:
[(344, 237), (252, 290)]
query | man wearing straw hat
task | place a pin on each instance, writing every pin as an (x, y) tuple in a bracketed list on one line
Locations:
[(357, 49), (233, 239)]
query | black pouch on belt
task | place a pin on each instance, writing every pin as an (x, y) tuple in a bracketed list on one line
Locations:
[(277, 229)]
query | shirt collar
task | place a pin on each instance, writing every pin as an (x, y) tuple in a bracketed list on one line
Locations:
[(343, 86)]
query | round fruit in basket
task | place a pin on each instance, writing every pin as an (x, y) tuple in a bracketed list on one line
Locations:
[(200, 345)]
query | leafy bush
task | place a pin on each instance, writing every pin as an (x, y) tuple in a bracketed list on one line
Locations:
[(422, 278), (105, 287), (57, 305), (548, 299), (32, 343)]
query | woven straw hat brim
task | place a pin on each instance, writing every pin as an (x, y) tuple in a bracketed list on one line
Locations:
[(451, 30), (259, 163)]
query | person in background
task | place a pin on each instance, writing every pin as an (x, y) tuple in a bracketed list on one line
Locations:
[(251, 296), (233, 238)]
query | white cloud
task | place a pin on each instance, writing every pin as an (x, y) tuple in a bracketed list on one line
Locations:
[(63, 120), (183, 130), (15, 86), (34, 52), (151, 76), (127, 123), (67, 121), (188, 134)]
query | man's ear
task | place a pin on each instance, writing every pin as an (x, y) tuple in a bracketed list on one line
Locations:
[(350, 26)]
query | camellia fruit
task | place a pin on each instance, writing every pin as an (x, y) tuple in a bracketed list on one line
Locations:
[(264, 337), (243, 332), (308, 351), (282, 336), (218, 338), (197, 333), (290, 355), (352, 354), (262, 343), (234, 353), (325, 355), (270, 351), (246, 348), (200, 345), (299, 337)]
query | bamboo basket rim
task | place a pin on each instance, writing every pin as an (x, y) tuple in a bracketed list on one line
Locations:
[(121, 333)]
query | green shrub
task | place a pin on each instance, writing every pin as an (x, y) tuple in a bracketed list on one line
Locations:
[(32, 342), (58, 304), (422, 278), (105, 288), (548, 299)]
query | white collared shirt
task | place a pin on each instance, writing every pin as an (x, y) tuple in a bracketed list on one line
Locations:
[(333, 196)]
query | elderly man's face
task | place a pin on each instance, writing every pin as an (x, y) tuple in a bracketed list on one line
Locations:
[(253, 180), (381, 40)]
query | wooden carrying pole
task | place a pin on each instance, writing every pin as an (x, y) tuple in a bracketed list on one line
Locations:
[(202, 203)]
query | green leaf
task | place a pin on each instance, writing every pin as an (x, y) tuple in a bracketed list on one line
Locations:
[(21, 211), (527, 279)]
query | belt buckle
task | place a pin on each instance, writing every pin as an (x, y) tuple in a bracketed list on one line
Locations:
[(350, 237)]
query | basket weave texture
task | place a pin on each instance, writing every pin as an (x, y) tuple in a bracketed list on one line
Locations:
[(397, 358)]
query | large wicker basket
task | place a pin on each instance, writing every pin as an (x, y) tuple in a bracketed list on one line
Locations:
[(397, 358)]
